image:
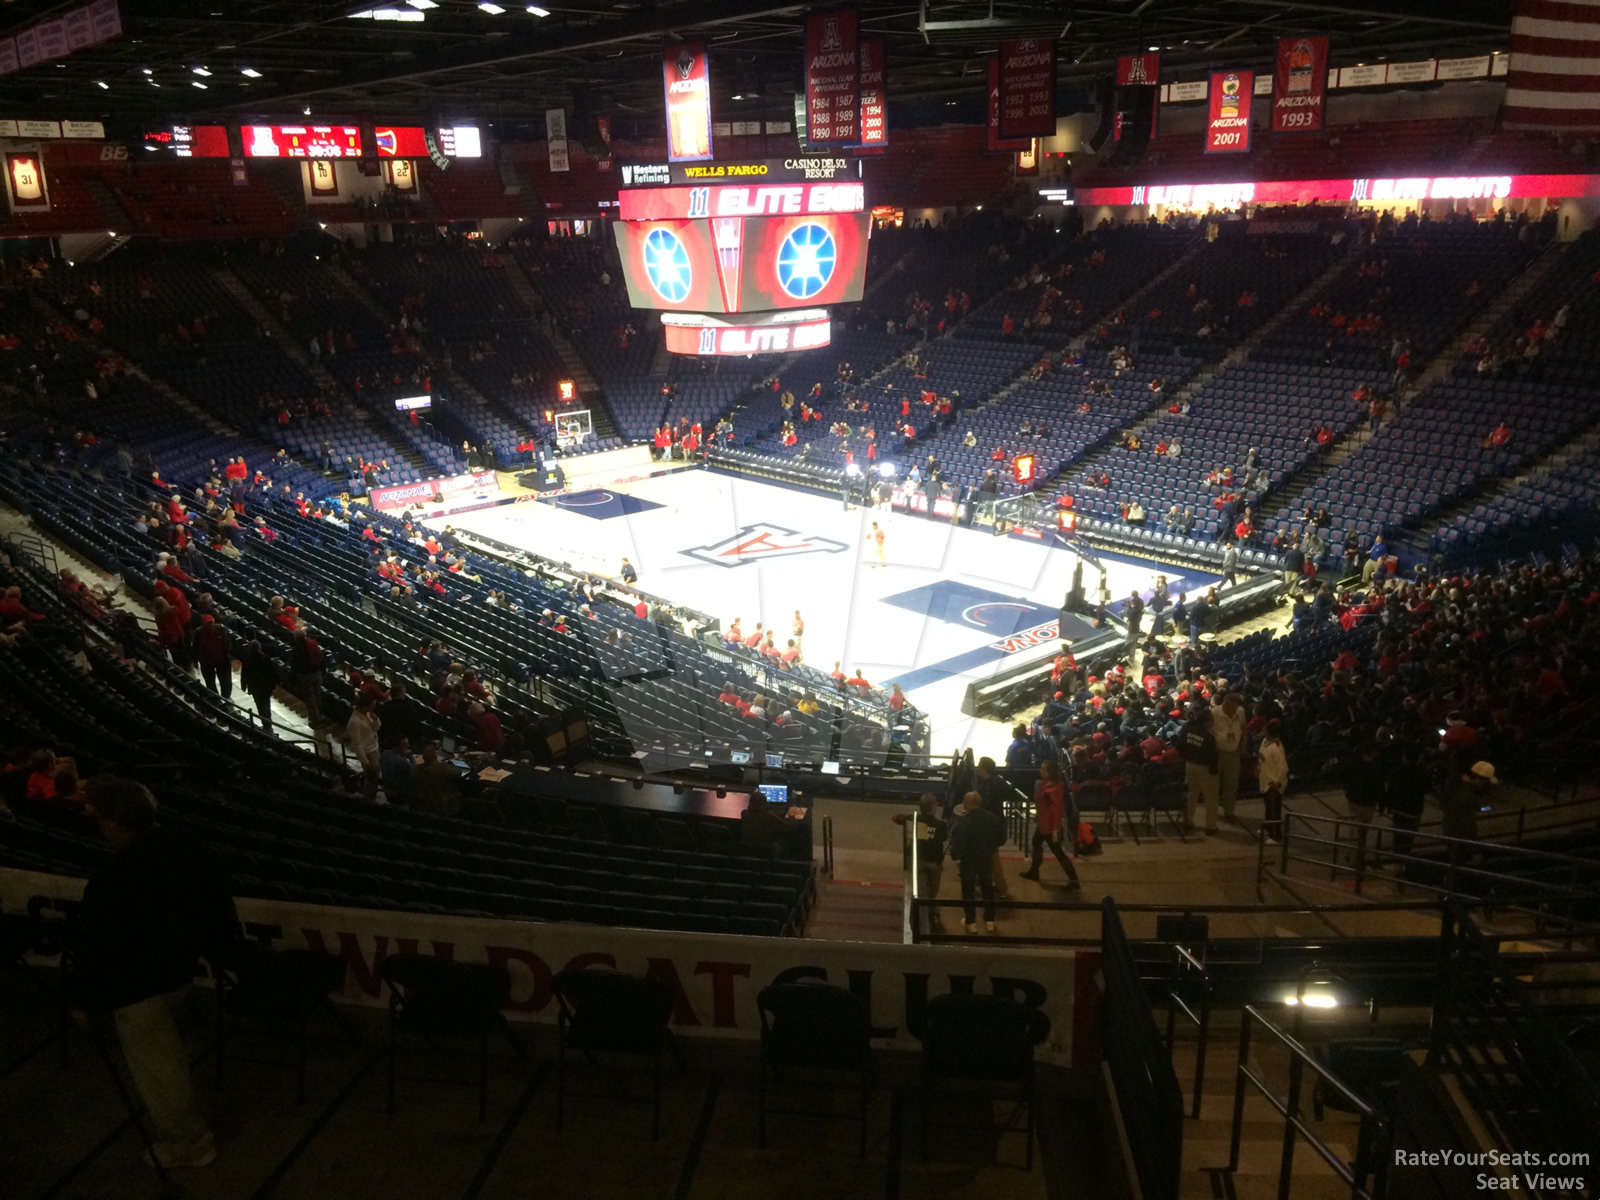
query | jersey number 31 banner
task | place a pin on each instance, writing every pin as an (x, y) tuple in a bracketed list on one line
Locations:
[(1299, 84), (1228, 119)]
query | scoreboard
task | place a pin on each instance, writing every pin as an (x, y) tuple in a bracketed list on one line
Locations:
[(301, 141), (749, 237)]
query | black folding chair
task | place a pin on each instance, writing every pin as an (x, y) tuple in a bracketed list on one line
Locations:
[(434, 997), (608, 1012), (980, 1043), (277, 987), (814, 1027)]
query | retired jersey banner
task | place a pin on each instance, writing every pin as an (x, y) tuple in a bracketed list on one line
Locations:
[(833, 78), (998, 144), (1136, 70), (1028, 88), (874, 120), (688, 83), (1299, 85), (1228, 112), (25, 185)]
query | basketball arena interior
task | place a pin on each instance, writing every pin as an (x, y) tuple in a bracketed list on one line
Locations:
[(950, 598)]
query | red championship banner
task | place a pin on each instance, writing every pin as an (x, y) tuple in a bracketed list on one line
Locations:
[(1137, 70), (1299, 84), (25, 185), (687, 77), (833, 70), (1028, 88), (1228, 112), (998, 144), (874, 127)]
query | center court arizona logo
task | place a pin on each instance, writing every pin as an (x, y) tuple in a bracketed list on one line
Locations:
[(759, 542)]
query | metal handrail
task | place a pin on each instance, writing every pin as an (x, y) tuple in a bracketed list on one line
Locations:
[(1524, 896), (1187, 966), (1373, 1146)]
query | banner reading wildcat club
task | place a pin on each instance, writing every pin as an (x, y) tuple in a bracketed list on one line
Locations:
[(833, 68), (1028, 88), (1299, 84), (1228, 115), (687, 77), (998, 144), (714, 978), (874, 120)]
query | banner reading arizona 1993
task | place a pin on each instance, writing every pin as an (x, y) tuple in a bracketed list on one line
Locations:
[(1228, 114), (1299, 84)]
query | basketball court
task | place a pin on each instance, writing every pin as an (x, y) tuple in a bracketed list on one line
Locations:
[(948, 607)]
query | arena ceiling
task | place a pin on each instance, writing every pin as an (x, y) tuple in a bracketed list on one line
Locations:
[(462, 60)]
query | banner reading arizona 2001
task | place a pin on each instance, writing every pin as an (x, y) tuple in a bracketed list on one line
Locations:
[(1228, 112)]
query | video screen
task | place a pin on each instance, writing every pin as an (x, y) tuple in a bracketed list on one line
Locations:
[(744, 264), (410, 403), (776, 793)]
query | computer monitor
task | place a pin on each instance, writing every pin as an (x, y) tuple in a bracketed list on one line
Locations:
[(830, 768), (739, 757), (447, 744), (775, 761), (776, 793)]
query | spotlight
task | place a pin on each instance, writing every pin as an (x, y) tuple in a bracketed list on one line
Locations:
[(852, 469)]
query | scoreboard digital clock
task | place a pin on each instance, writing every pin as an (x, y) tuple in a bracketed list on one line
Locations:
[(301, 141)]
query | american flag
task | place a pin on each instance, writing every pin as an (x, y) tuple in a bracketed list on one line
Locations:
[(1554, 81)]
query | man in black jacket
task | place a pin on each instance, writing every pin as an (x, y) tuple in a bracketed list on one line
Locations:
[(148, 915), (973, 843)]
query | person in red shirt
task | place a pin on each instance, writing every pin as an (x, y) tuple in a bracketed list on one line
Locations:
[(897, 699), (790, 655), (859, 682), (642, 611), (12, 609), (837, 675), (1499, 437), (167, 565), (490, 736), (729, 694), (754, 640)]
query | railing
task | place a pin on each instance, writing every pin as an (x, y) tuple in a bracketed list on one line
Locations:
[(35, 547), (1557, 905), (1511, 1062), (1373, 1147), (1189, 970), (827, 846), (1145, 1086)]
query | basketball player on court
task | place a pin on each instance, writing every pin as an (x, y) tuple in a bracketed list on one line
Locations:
[(875, 539)]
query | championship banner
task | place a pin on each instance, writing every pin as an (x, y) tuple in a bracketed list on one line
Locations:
[(25, 182), (555, 138), (1137, 70), (1299, 84), (401, 174), (874, 120), (1027, 88), (998, 144), (1228, 112), (687, 77), (603, 163), (833, 115), (714, 978)]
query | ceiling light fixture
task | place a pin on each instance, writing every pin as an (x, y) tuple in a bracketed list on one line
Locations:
[(250, 73), (101, 83), (494, 10), (386, 13), (147, 71), (535, 10), (201, 71), (306, 111), (198, 84), (422, 3)]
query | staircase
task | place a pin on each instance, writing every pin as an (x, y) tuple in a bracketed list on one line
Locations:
[(276, 329), (172, 394), (1588, 440), (1510, 296), (588, 386), (325, 379), (116, 217)]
